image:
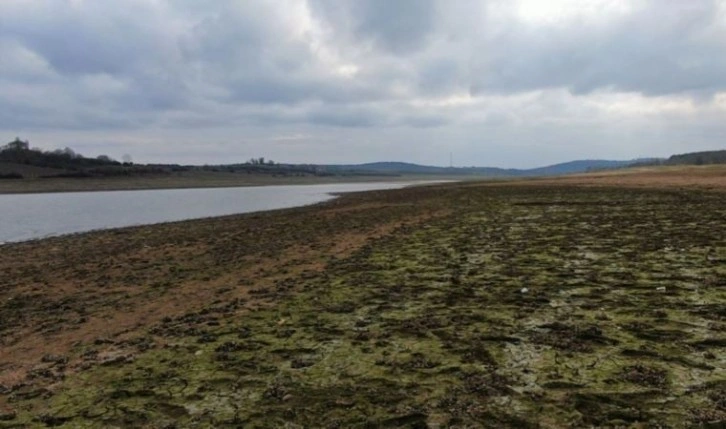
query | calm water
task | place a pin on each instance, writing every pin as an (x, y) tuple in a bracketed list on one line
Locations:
[(31, 216)]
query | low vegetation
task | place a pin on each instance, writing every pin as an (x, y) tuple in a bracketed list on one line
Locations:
[(465, 305)]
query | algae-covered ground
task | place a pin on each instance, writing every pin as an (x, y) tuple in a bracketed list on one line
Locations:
[(451, 306)]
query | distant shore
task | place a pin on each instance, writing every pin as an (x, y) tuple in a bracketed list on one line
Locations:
[(709, 176), (194, 180)]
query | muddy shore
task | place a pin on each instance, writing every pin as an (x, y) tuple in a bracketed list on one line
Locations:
[(559, 303)]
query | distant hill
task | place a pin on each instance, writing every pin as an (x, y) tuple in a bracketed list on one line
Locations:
[(571, 167), (409, 168), (18, 160), (580, 166)]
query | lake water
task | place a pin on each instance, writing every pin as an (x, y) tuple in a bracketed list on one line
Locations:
[(31, 216)]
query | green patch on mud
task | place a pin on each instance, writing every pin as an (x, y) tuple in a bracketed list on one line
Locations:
[(525, 307)]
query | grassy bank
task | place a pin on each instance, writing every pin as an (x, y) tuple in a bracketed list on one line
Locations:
[(460, 305)]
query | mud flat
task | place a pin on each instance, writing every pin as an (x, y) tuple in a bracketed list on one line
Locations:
[(459, 305)]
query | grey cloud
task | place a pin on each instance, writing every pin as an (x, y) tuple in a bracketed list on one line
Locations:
[(233, 36), (442, 76), (273, 88), (247, 52), (659, 49), (399, 27), (423, 120), (22, 117), (347, 118), (127, 42), (100, 37), (377, 115)]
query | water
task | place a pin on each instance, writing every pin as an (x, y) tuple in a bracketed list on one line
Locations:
[(31, 216)]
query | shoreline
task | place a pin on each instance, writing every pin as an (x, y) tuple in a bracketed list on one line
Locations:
[(61, 185), (151, 213)]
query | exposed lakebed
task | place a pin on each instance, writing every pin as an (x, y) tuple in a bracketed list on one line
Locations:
[(33, 216), (493, 306)]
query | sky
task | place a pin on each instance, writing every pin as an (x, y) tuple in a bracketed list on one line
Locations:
[(502, 83)]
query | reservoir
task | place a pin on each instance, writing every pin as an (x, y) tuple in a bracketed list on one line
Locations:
[(32, 216)]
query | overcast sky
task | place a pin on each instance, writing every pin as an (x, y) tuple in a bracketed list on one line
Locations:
[(497, 83)]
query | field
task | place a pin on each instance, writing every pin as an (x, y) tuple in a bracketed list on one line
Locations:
[(578, 302)]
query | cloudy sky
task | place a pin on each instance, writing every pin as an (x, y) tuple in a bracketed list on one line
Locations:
[(495, 82)]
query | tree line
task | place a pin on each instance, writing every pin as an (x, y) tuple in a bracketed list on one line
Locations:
[(20, 152)]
